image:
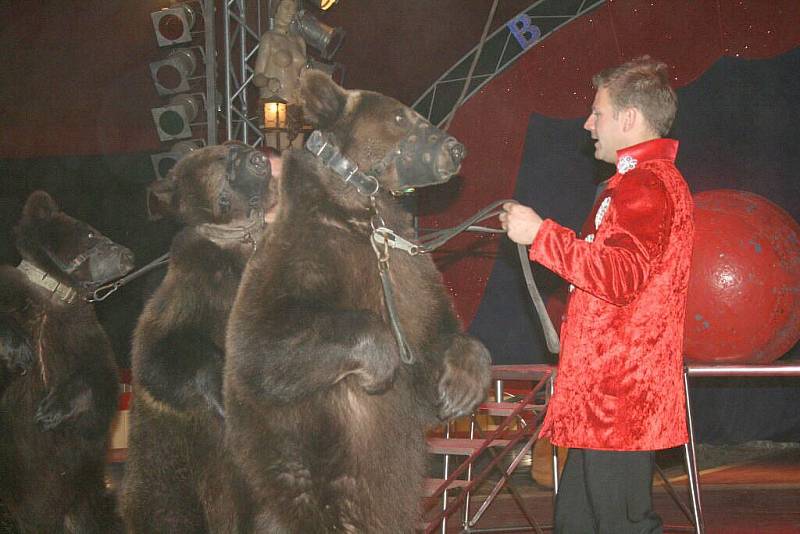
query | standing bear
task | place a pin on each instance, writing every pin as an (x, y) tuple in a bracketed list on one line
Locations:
[(331, 381), (59, 382), (177, 478)]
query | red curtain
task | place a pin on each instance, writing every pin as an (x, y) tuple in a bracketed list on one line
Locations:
[(553, 78)]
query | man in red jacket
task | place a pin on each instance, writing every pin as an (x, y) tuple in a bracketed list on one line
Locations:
[(619, 393)]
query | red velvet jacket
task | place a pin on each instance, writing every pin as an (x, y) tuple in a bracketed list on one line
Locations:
[(619, 384)]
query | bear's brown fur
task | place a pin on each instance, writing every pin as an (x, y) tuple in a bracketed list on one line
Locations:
[(325, 421), (177, 478), (55, 418)]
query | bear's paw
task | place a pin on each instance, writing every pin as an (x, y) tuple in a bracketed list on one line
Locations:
[(378, 363), (465, 378)]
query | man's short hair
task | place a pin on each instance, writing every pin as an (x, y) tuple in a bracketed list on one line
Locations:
[(642, 83)]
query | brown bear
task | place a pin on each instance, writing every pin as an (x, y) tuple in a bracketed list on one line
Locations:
[(60, 381), (327, 399), (177, 478)]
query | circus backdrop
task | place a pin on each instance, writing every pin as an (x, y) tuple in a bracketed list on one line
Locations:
[(75, 99)]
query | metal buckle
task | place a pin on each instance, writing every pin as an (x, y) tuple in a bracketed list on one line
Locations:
[(386, 237)]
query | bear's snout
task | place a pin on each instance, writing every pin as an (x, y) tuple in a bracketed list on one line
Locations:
[(457, 150), (114, 262), (453, 153)]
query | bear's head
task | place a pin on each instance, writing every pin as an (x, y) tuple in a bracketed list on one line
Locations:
[(384, 138), (217, 184), (66, 248)]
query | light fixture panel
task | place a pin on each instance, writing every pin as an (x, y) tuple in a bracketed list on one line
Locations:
[(165, 161), (171, 122), (173, 25), (174, 120), (171, 74)]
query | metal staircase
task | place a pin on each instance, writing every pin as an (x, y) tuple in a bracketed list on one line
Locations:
[(500, 435)]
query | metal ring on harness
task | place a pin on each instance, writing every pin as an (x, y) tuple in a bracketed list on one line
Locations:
[(434, 240), (103, 292)]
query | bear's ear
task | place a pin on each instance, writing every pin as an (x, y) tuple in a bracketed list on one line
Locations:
[(39, 205), (323, 100), (161, 198)]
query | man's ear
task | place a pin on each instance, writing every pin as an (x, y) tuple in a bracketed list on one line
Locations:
[(630, 118), (323, 100)]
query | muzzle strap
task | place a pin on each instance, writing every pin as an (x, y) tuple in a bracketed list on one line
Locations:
[(248, 171), (322, 147)]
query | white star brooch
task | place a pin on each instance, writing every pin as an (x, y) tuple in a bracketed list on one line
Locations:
[(626, 163)]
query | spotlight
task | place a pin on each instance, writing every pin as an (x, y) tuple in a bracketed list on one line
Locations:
[(173, 120), (173, 25), (171, 74), (320, 36), (163, 162), (322, 4)]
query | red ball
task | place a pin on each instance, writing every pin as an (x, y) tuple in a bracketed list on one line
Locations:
[(744, 288)]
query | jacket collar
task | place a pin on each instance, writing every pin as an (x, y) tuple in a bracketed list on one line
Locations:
[(628, 158)]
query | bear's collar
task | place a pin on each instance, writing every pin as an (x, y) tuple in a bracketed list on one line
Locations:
[(329, 154), (248, 232), (39, 277)]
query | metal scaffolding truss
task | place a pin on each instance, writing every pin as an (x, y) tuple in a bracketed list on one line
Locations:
[(210, 56), (242, 28), (244, 23), (499, 51)]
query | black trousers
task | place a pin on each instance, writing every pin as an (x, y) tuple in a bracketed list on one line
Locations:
[(606, 492)]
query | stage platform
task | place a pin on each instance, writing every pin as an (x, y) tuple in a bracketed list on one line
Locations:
[(747, 489)]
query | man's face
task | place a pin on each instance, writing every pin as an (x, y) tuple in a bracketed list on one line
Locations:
[(606, 127)]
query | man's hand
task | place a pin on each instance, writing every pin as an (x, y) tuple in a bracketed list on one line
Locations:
[(520, 222)]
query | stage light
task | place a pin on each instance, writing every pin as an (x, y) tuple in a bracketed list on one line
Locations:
[(171, 74), (163, 162), (173, 25), (322, 4), (173, 120), (323, 38)]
